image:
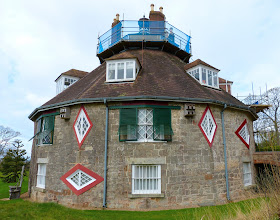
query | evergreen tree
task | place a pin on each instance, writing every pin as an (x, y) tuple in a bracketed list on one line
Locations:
[(12, 162)]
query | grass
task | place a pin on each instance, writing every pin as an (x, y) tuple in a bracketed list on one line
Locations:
[(20, 209), (4, 187)]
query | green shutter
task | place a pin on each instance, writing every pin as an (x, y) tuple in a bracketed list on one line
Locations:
[(162, 124), (128, 124)]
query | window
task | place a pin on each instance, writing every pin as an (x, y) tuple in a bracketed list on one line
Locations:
[(80, 179), (208, 125), (247, 174), (122, 70), (45, 130), (145, 124), (146, 179), (243, 133), (205, 76), (41, 175)]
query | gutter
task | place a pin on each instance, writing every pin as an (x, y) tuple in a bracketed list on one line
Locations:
[(105, 156), (225, 151), (133, 98)]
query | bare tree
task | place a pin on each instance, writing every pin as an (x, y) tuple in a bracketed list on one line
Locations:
[(267, 126), (6, 136)]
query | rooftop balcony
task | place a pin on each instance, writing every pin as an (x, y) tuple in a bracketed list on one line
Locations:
[(128, 34)]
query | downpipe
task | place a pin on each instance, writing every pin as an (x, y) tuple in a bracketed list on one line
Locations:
[(105, 156), (225, 151)]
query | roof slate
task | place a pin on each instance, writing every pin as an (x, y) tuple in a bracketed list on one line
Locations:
[(162, 74), (74, 72)]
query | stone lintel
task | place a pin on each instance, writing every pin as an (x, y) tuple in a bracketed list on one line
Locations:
[(42, 160), (151, 160)]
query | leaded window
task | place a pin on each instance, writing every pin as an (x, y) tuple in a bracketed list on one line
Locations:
[(145, 124), (208, 125), (82, 126), (146, 179), (45, 130), (243, 133), (80, 179)]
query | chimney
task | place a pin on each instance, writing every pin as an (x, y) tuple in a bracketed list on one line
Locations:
[(156, 15), (116, 20)]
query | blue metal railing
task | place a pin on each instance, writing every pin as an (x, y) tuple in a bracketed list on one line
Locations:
[(144, 31)]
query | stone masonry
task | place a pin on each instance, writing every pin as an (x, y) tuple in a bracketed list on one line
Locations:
[(192, 173)]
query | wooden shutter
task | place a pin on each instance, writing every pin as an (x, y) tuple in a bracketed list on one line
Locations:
[(162, 124), (128, 124)]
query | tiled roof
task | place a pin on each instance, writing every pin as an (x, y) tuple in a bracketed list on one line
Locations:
[(74, 72), (197, 62), (162, 74)]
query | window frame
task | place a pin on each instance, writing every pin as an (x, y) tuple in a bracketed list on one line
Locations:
[(249, 171), (41, 176), (207, 70), (164, 136), (142, 178), (125, 62)]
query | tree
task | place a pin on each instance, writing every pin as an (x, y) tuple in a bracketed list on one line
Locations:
[(267, 126), (6, 136), (12, 162)]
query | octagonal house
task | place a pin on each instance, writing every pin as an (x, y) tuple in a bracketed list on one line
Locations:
[(145, 130)]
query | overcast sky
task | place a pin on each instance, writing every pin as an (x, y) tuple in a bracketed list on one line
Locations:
[(41, 39)]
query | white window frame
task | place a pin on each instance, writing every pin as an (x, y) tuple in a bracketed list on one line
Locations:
[(41, 177), (135, 66), (143, 181), (200, 68), (146, 124), (82, 115), (247, 181), (209, 116), (80, 172)]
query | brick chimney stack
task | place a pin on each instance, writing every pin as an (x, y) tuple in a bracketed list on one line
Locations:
[(156, 15), (116, 20)]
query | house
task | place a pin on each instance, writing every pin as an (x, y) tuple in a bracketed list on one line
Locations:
[(144, 130)]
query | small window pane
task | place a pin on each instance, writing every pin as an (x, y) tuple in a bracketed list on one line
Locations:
[(203, 76), (196, 74), (129, 70), (215, 75), (120, 70), (111, 71), (210, 83)]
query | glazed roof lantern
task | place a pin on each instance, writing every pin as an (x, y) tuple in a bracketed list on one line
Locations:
[(144, 24)]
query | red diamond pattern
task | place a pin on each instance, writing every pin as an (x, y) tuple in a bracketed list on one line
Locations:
[(82, 126), (208, 126), (243, 133), (80, 179)]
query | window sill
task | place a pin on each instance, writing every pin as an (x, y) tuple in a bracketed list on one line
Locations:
[(42, 145), (146, 141), (134, 196), (249, 187), (39, 189)]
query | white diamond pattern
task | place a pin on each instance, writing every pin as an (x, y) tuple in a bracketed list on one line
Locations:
[(80, 179), (81, 126), (145, 124), (208, 125)]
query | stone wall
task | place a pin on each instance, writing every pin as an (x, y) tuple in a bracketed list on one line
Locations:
[(192, 173)]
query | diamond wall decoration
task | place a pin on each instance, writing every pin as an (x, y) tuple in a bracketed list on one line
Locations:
[(208, 126), (82, 126), (80, 179), (243, 133)]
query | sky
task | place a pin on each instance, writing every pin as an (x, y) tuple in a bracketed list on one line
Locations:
[(39, 40)]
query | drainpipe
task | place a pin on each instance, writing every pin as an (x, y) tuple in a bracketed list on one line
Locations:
[(105, 156), (225, 150)]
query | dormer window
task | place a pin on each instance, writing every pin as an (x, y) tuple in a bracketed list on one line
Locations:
[(122, 70), (204, 75)]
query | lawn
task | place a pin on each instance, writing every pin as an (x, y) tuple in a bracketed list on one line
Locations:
[(4, 187), (20, 209)]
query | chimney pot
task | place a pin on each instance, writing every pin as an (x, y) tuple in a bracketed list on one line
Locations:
[(152, 7), (117, 17), (161, 9)]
